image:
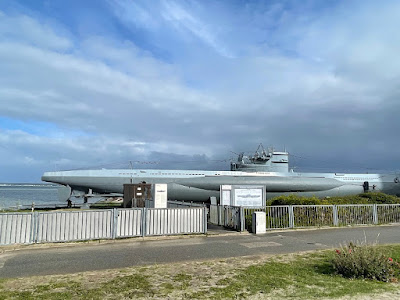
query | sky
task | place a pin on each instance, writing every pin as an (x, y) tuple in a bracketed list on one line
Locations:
[(187, 84)]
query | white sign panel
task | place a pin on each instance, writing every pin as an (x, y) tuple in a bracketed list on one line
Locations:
[(226, 197), (160, 195), (248, 197)]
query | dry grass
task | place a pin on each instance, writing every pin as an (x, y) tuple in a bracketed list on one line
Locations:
[(214, 279), (172, 280)]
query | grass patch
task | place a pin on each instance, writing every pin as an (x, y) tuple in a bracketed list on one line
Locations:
[(301, 276), (182, 280), (167, 287), (130, 286), (306, 277)]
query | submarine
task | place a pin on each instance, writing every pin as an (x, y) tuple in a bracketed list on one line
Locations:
[(269, 168)]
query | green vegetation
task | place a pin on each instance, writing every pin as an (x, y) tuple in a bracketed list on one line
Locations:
[(182, 281), (364, 198), (312, 276), (128, 286), (365, 261), (106, 205), (324, 216), (301, 276)]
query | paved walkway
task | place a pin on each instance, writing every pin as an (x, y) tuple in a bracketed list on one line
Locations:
[(79, 257)]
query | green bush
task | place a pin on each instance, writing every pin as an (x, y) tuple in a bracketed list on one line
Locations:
[(380, 198), (249, 222), (365, 261), (294, 199), (364, 198)]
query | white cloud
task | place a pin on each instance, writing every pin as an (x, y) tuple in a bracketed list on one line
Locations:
[(159, 15), (182, 19), (28, 30), (85, 91), (132, 14), (332, 84)]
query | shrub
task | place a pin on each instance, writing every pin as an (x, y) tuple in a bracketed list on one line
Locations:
[(249, 222), (364, 198), (294, 199), (365, 261), (380, 198)]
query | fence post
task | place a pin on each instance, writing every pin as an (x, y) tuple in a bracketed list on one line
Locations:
[(335, 216), (144, 217), (375, 213), (31, 237), (242, 219), (34, 227), (205, 217), (225, 216), (115, 223), (291, 217)]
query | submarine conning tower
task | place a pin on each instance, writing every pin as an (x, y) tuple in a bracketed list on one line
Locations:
[(262, 161)]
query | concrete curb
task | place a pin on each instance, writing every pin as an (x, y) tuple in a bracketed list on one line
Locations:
[(16, 247)]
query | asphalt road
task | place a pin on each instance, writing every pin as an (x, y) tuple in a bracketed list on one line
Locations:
[(63, 259)]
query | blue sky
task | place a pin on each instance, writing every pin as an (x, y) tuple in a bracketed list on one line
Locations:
[(88, 83)]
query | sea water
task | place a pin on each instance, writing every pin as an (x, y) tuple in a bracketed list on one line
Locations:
[(15, 194)]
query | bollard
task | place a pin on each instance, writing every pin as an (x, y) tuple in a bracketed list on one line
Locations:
[(259, 224)]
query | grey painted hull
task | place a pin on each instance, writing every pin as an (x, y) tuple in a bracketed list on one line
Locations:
[(201, 185)]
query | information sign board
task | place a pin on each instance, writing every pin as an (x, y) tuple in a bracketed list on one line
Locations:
[(160, 195), (248, 197)]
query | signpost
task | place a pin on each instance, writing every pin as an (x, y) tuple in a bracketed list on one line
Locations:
[(243, 195), (160, 195)]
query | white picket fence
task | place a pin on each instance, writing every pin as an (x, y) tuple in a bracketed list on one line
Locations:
[(300, 216), (175, 204), (66, 226), (16, 228), (185, 220)]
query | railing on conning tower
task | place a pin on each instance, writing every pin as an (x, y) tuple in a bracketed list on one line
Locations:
[(262, 161)]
